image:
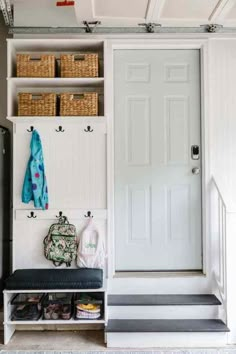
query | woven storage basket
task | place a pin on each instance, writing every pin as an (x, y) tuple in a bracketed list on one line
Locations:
[(81, 65), (31, 67), (42, 104), (84, 104)]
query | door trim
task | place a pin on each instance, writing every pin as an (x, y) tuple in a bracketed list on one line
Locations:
[(159, 43)]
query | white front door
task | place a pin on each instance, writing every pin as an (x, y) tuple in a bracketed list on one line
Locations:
[(157, 138)]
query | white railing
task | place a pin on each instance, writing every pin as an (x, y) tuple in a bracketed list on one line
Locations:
[(218, 226)]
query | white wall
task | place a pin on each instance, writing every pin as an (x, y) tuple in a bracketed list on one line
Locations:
[(222, 100)]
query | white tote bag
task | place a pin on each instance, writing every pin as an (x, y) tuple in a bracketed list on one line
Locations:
[(91, 250)]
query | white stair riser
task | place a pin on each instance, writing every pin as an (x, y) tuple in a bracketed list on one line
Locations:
[(159, 283), (163, 312), (166, 340)]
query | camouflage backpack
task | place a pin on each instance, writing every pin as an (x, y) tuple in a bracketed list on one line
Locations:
[(60, 245)]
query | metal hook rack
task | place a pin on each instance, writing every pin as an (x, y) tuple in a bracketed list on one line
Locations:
[(60, 129), (89, 215), (32, 215), (31, 129), (88, 130)]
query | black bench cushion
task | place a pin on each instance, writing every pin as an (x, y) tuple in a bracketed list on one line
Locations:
[(36, 279)]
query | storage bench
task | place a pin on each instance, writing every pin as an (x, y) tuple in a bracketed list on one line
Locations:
[(36, 279), (30, 281)]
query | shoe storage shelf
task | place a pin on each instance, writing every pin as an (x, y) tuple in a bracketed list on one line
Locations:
[(11, 324)]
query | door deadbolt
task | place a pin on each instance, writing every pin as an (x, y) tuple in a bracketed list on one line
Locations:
[(195, 152)]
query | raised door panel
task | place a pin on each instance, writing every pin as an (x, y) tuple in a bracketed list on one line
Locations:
[(177, 129)]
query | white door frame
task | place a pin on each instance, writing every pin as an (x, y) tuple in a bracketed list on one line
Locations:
[(159, 43)]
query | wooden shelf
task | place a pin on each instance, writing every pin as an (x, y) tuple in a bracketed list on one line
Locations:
[(59, 119), (55, 322), (56, 82), (32, 291)]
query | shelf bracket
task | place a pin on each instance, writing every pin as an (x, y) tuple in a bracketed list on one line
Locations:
[(89, 28), (150, 27)]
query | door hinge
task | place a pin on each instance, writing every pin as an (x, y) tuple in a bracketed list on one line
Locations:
[(91, 26), (150, 27)]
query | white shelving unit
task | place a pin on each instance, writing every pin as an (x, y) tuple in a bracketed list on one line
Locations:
[(75, 162), (10, 326)]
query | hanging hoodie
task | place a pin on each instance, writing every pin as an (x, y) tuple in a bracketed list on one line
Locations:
[(35, 183)]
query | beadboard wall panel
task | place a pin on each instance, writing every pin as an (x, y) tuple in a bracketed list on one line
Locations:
[(30, 233), (75, 164)]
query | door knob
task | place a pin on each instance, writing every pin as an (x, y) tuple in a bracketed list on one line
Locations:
[(195, 170)]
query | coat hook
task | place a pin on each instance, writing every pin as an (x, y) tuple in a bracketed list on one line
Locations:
[(88, 129), (60, 214), (60, 129), (31, 129), (32, 215), (88, 215)]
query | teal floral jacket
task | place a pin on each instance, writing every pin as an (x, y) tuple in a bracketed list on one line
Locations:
[(35, 182)]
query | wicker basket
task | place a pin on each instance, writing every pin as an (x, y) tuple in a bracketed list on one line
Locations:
[(31, 67), (42, 104), (85, 104), (81, 65)]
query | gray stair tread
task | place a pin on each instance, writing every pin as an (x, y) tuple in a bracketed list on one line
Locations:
[(115, 326), (162, 300)]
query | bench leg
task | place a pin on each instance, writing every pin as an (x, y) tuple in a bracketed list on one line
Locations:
[(8, 332), (9, 328)]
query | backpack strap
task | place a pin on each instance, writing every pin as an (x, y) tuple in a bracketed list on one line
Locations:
[(57, 264), (99, 238), (63, 220)]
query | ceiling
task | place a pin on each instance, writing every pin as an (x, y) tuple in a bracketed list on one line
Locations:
[(125, 12)]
